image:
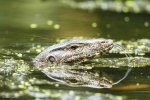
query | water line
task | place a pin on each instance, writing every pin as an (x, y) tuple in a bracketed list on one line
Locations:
[(129, 60)]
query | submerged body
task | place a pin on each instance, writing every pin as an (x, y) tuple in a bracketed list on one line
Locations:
[(74, 51)]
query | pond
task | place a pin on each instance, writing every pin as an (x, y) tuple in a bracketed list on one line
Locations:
[(28, 27)]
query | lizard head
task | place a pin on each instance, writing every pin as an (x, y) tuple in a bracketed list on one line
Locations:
[(75, 50)]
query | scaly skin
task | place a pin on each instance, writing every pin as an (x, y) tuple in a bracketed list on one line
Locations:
[(72, 51), (78, 78)]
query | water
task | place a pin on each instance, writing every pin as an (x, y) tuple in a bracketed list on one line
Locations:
[(27, 27)]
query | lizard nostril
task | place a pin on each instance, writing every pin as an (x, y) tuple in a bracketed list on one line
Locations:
[(103, 42)]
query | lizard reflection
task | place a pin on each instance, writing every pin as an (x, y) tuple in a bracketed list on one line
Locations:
[(74, 51)]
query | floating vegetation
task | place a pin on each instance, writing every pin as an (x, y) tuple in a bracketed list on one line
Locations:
[(125, 6), (146, 24), (94, 24), (126, 19), (138, 47), (33, 25), (56, 26), (23, 79), (50, 22)]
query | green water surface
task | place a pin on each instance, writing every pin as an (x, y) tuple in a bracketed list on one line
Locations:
[(29, 26)]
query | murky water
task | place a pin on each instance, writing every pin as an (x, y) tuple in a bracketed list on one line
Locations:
[(27, 27)]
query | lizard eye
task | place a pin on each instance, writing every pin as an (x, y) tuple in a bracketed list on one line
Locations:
[(51, 59), (72, 80), (74, 47), (104, 42)]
